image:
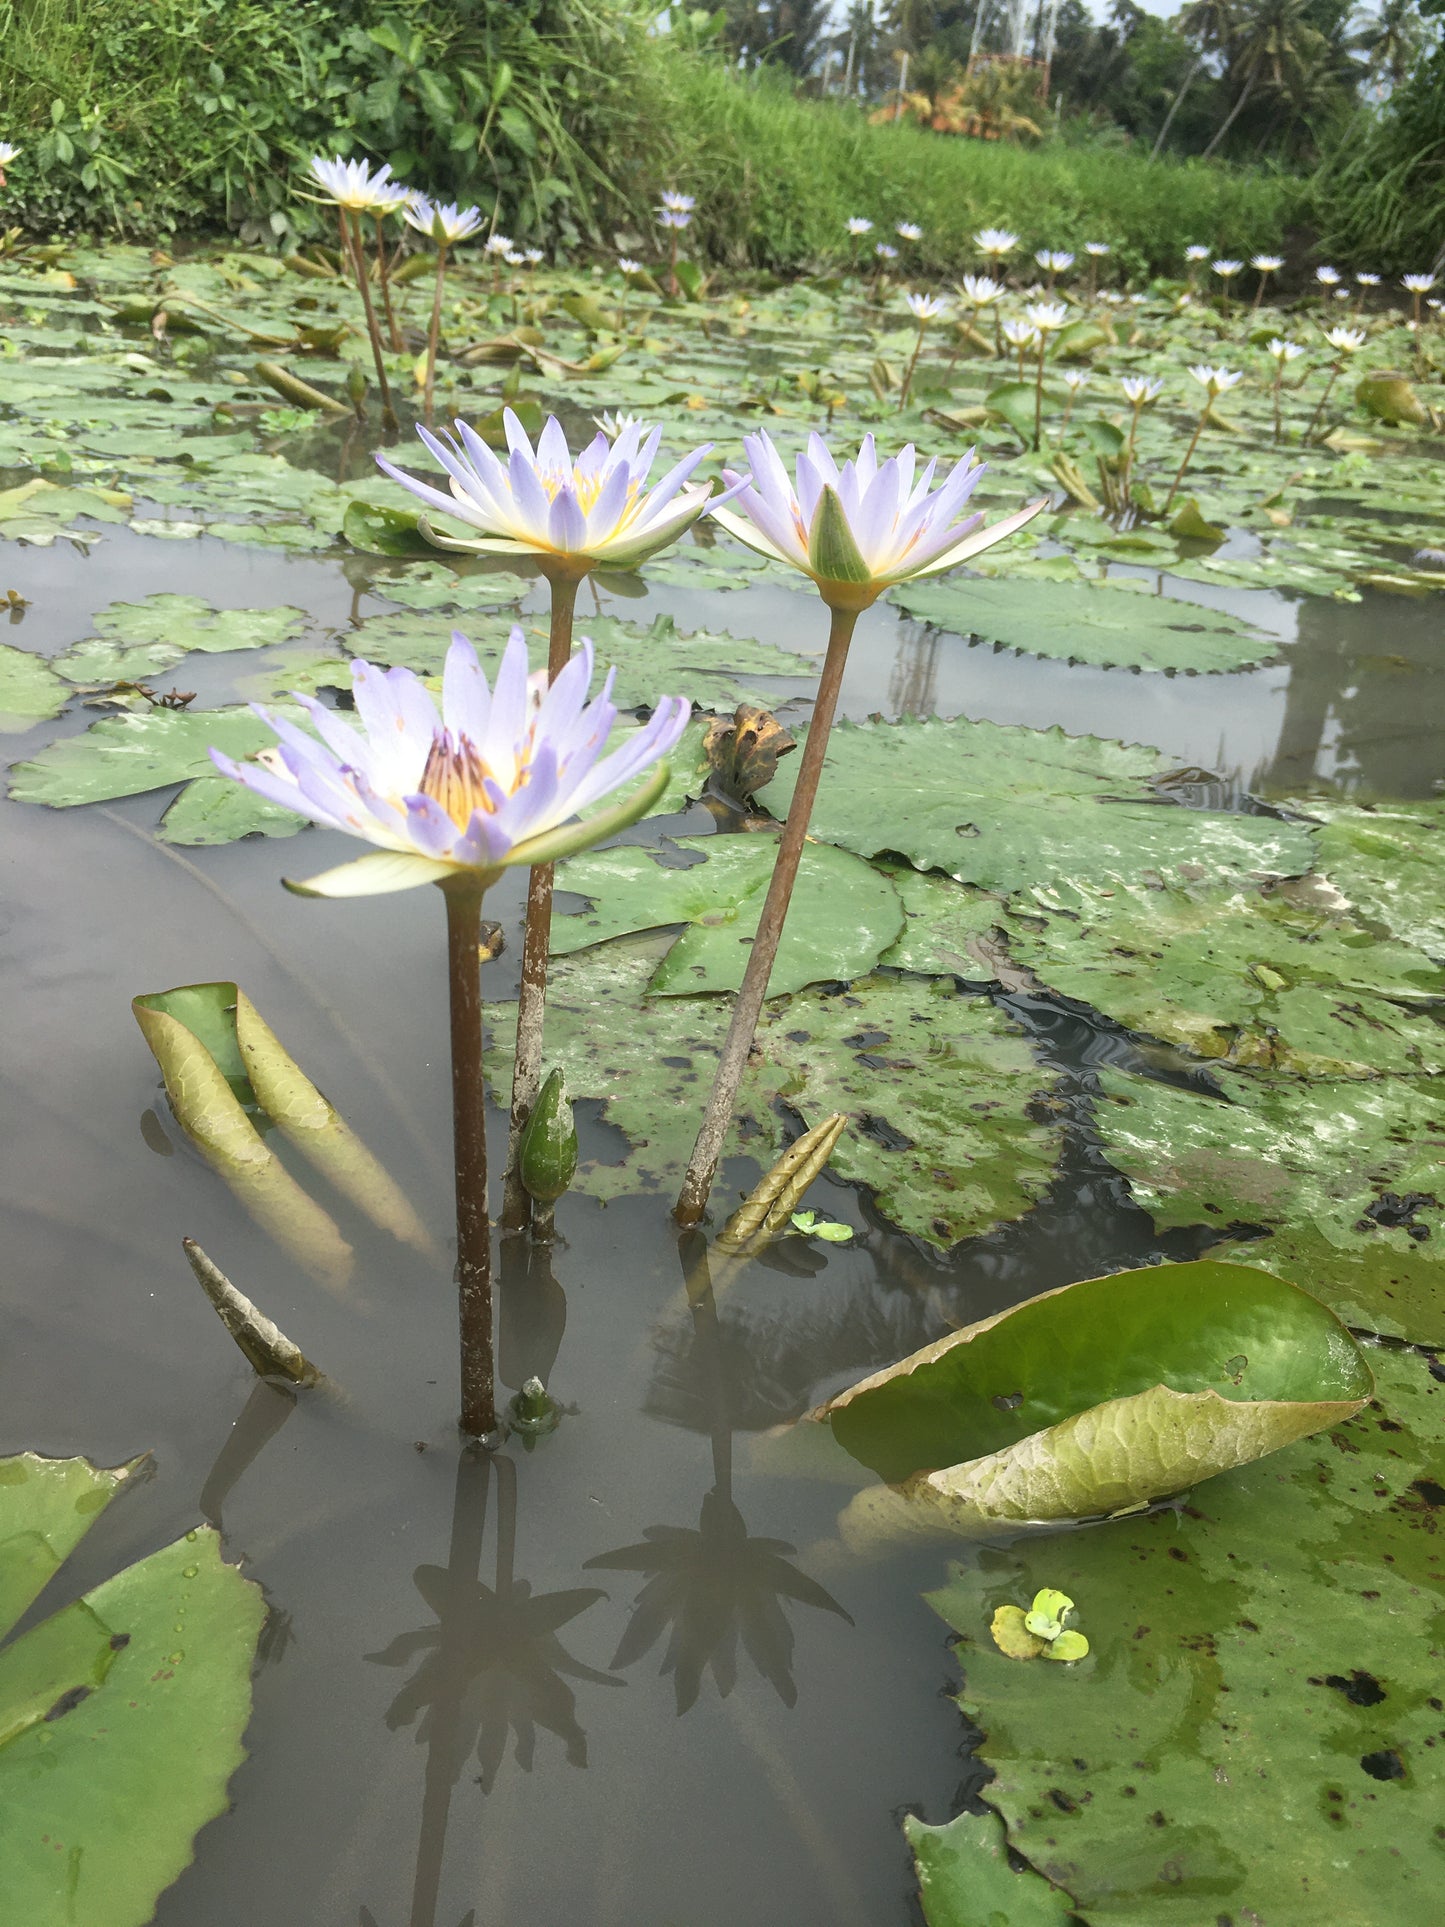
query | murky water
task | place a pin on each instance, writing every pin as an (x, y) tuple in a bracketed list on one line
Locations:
[(440, 1733)]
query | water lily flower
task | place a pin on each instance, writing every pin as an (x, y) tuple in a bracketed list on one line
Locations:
[(677, 203), (1327, 277), (1217, 380), (1140, 390), (980, 289), (858, 529), (442, 222), (995, 242), (613, 425), (1284, 352), (926, 307), (1367, 280), (1098, 249), (859, 225), (577, 515), (1266, 263), (626, 265), (8, 153), (1194, 252), (1417, 283), (673, 217), (481, 786), (1054, 261), (908, 231), (1046, 317), (1020, 336), (499, 244), (1346, 341), (1227, 269), (516, 259), (353, 186), (534, 257), (1076, 380), (884, 252)]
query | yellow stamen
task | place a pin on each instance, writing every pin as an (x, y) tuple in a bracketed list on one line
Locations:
[(456, 777)]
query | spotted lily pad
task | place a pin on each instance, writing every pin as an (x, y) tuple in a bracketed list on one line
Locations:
[(1346, 1178), (1244, 1741), (1006, 808), (30, 690), (136, 639), (1388, 860), (967, 1879), (121, 1716), (128, 754), (843, 913), (1120, 622)]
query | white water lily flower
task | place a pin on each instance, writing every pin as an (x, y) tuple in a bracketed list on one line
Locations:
[(445, 224), (1140, 389), (626, 265), (499, 244), (613, 425), (1284, 352), (489, 782), (677, 203), (352, 185), (907, 231), (1076, 380), (1266, 263), (995, 241), (1098, 249), (1346, 341), (595, 511), (1054, 260), (1417, 283), (534, 257), (1217, 380), (926, 307), (859, 225), (8, 153), (859, 529), (1226, 270), (1327, 277), (884, 252), (1367, 280), (1046, 317), (1019, 334), (980, 289), (673, 217), (1194, 252)]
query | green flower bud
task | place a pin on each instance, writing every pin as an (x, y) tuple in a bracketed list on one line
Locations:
[(547, 1155)]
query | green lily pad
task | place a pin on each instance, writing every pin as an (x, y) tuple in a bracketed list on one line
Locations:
[(843, 912), (966, 1879), (1256, 1729), (1317, 1166), (136, 639), (1228, 973), (1388, 859), (129, 754), (120, 1717), (213, 809), (1007, 808), (1120, 622), (30, 690), (1096, 1398)]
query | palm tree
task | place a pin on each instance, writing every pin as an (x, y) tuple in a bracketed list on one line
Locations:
[(1276, 47), (1391, 40)]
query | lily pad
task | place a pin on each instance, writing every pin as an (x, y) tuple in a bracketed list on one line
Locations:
[(213, 809), (1233, 974), (1006, 808), (30, 690), (843, 913), (120, 1717), (1256, 1729), (966, 1878), (1120, 622), (1345, 1177), (1095, 1398), (1388, 859), (129, 754)]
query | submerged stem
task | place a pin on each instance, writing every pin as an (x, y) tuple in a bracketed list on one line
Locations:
[(692, 1201), (463, 893), (536, 940), (363, 281), (434, 334)]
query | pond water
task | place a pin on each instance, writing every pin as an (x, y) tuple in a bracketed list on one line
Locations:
[(443, 1731)]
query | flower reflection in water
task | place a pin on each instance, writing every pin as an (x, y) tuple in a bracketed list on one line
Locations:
[(710, 1587)]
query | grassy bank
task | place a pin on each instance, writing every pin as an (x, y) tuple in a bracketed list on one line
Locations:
[(777, 178), (564, 115), (1381, 190)]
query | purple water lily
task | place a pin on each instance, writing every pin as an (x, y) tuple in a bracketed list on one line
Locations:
[(488, 782)]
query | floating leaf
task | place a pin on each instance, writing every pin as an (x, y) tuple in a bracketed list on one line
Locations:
[(128, 754), (1008, 808), (1256, 1732), (30, 690), (120, 1717), (137, 639), (843, 913), (1345, 1177), (213, 809), (1118, 622), (1388, 859), (1096, 1398), (967, 1878)]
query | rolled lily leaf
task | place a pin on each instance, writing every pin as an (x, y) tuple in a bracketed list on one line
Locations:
[(1095, 1399), (225, 1025)]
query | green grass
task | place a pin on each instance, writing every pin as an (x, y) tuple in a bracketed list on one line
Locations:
[(776, 178)]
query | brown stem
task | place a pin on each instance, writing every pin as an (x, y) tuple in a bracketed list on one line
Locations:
[(912, 364), (692, 1201), (1188, 455), (1278, 382), (434, 336), (536, 941), (1320, 406), (363, 281), (463, 893), (1039, 392), (384, 273)]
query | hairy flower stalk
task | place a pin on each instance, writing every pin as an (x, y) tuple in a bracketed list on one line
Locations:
[(853, 532), (1215, 382), (570, 517), (355, 190), (444, 226), (454, 798)]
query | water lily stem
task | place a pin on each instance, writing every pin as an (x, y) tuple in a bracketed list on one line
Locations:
[(907, 388), (692, 1201), (384, 276), (536, 941), (463, 893), (1039, 391), (435, 332), (1309, 433), (1188, 456), (363, 281)]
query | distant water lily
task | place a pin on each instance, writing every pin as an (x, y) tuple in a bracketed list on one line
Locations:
[(1346, 343), (354, 189), (1282, 353), (1139, 392), (444, 224), (1045, 318), (853, 531), (677, 203), (1020, 336), (354, 186), (885, 252), (908, 231), (499, 244), (1328, 277), (673, 217), (995, 242), (575, 515), (1054, 261), (7, 154), (1215, 382), (924, 308), (1417, 286), (1226, 270)]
